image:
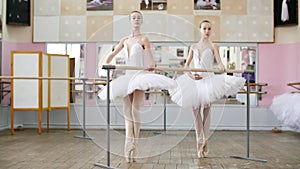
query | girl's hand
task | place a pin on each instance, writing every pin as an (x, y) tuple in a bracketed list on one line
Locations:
[(197, 76), (151, 67), (222, 68)]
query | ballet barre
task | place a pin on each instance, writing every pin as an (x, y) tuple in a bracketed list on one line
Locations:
[(56, 78), (295, 85), (257, 84), (110, 67), (254, 92), (175, 69)]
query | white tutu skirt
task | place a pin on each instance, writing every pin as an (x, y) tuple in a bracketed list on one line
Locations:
[(190, 92), (287, 109), (140, 80)]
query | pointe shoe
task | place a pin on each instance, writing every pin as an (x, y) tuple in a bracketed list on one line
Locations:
[(128, 157), (134, 155), (202, 148), (205, 148), (200, 154), (128, 149), (199, 149), (128, 154)]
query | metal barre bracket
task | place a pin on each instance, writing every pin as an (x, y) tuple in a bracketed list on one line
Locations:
[(108, 67), (248, 71)]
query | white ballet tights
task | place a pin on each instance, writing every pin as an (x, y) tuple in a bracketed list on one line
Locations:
[(201, 125), (131, 107)]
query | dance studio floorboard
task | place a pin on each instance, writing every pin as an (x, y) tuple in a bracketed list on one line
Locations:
[(59, 149)]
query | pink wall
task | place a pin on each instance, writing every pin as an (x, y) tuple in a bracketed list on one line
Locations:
[(91, 67), (278, 64), (91, 60), (7, 47)]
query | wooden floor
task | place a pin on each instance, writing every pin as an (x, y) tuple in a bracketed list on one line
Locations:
[(59, 149)]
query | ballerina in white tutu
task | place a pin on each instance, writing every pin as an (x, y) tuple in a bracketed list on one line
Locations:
[(132, 85), (286, 108), (200, 89)]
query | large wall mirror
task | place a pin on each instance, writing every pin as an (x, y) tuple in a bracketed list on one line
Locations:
[(238, 56)]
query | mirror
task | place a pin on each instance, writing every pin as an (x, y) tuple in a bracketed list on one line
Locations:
[(236, 56)]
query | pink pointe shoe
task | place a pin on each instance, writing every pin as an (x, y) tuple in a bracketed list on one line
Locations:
[(202, 149)]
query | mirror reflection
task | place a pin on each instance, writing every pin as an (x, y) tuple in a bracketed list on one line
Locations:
[(174, 55), (234, 56)]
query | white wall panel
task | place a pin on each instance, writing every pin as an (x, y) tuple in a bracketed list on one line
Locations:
[(46, 29), (47, 8), (72, 28)]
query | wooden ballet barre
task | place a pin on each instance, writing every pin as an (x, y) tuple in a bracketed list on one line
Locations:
[(294, 85), (88, 91), (154, 92), (5, 82), (89, 83), (175, 69), (95, 91), (4, 90), (48, 78), (254, 92), (258, 84)]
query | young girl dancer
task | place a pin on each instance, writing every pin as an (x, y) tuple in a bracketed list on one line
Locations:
[(132, 85), (200, 89)]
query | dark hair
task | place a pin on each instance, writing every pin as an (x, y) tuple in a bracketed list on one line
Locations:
[(135, 12), (203, 21)]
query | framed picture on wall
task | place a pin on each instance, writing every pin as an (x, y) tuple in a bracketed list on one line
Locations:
[(99, 5), (207, 4), (180, 52), (285, 12), (157, 5), (18, 12)]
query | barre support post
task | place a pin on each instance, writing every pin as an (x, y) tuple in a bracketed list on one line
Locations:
[(108, 68), (248, 124), (84, 136), (165, 110)]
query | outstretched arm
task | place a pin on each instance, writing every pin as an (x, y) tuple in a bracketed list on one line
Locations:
[(119, 47)]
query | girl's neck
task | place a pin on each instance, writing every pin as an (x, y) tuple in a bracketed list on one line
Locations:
[(135, 32), (204, 40)]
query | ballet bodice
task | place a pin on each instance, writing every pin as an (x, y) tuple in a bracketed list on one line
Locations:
[(204, 60), (133, 56)]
